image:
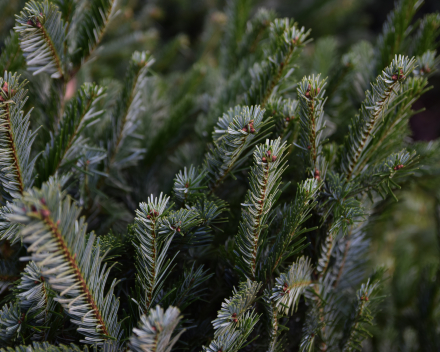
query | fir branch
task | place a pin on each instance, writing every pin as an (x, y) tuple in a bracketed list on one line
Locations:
[(326, 252), (293, 217), (234, 309), (151, 250), (287, 43), (37, 302), (364, 126), (66, 145), (155, 332), (236, 132), (340, 201), (312, 330), (10, 322), (289, 286), (127, 110), (350, 259), (11, 57), (15, 138), (346, 214), (394, 37), (188, 184), (381, 177), (234, 337), (91, 29), (311, 114), (264, 191), (236, 319), (154, 233), (208, 212), (395, 121), (58, 245), (362, 315), (275, 342), (42, 38)]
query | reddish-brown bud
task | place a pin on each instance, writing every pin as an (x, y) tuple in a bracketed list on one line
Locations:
[(148, 216), (186, 185), (318, 90), (394, 77), (287, 118), (30, 23), (33, 208), (309, 147), (274, 157), (244, 129), (252, 130), (269, 152), (178, 229), (263, 159)]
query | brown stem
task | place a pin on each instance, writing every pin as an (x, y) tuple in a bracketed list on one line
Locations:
[(51, 46), (72, 260), (10, 133)]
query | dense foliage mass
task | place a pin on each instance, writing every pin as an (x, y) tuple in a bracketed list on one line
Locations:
[(224, 207)]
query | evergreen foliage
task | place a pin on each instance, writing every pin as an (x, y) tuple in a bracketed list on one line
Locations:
[(280, 157)]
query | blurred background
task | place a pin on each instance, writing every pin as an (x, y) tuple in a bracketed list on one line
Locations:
[(183, 34)]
